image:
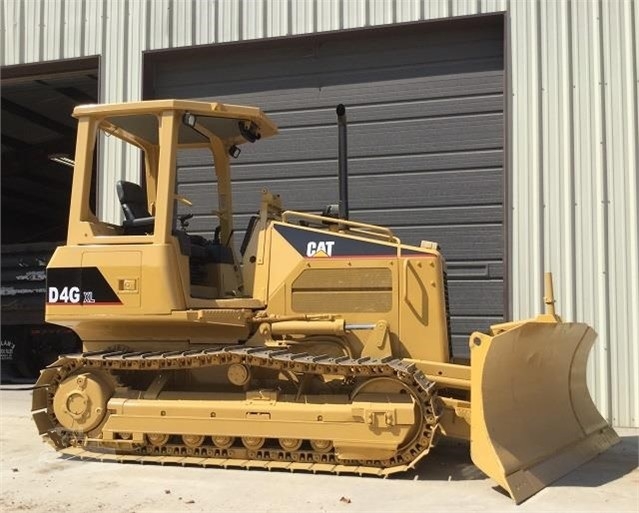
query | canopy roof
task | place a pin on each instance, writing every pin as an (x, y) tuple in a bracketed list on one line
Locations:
[(140, 119)]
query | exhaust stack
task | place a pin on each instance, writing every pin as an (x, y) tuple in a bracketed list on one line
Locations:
[(342, 160)]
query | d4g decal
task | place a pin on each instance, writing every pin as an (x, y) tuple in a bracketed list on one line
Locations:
[(66, 295), (79, 286)]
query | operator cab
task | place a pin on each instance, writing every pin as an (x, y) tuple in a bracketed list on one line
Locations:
[(165, 138), (200, 250)]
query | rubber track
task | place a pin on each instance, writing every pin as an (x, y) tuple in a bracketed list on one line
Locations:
[(73, 445)]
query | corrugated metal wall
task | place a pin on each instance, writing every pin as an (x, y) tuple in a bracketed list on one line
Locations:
[(573, 134)]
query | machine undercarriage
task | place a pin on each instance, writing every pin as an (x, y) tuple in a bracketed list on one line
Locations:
[(290, 410)]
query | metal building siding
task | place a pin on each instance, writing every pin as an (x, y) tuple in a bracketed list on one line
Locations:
[(589, 212), (619, 32), (572, 143)]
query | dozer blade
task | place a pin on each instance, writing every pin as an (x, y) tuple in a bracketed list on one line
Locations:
[(532, 418)]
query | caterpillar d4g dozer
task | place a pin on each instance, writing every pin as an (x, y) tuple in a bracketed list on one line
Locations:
[(325, 347)]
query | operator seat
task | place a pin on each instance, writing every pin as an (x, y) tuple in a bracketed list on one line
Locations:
[(138, 220)]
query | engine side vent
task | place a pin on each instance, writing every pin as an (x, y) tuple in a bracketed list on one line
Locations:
[(343, 290)]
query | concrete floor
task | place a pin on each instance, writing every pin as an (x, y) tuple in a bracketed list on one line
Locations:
[(35, 478)]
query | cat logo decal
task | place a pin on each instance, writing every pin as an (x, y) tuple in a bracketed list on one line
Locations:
[(323, 248)]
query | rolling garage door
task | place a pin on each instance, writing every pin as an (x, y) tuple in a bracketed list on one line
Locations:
[(426, 133)]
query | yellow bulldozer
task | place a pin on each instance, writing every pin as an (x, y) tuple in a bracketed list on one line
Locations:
[(322, 345)]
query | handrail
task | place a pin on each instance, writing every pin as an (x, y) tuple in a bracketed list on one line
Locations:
[(369, 229)]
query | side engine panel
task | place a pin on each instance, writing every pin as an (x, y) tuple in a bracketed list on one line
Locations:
[(365, 281)]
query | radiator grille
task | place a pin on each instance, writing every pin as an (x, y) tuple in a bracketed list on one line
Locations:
[(343, 290)]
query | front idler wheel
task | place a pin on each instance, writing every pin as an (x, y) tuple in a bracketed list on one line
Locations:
[(80, 403)]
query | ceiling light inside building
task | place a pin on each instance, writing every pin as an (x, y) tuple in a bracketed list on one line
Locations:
[(62, 158)]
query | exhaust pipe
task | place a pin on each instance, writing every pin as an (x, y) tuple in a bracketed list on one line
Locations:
[(342, 160)]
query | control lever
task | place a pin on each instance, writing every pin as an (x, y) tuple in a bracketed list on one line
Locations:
[(184, 220)]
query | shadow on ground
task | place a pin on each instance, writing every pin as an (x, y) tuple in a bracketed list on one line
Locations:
[(450, 461), (616, 462)]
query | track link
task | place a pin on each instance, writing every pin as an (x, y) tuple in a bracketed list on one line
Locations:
[(78, 445)]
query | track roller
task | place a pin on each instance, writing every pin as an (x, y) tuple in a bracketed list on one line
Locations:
[(157, 439), (290, 444), (253, 442), (193, 441)]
